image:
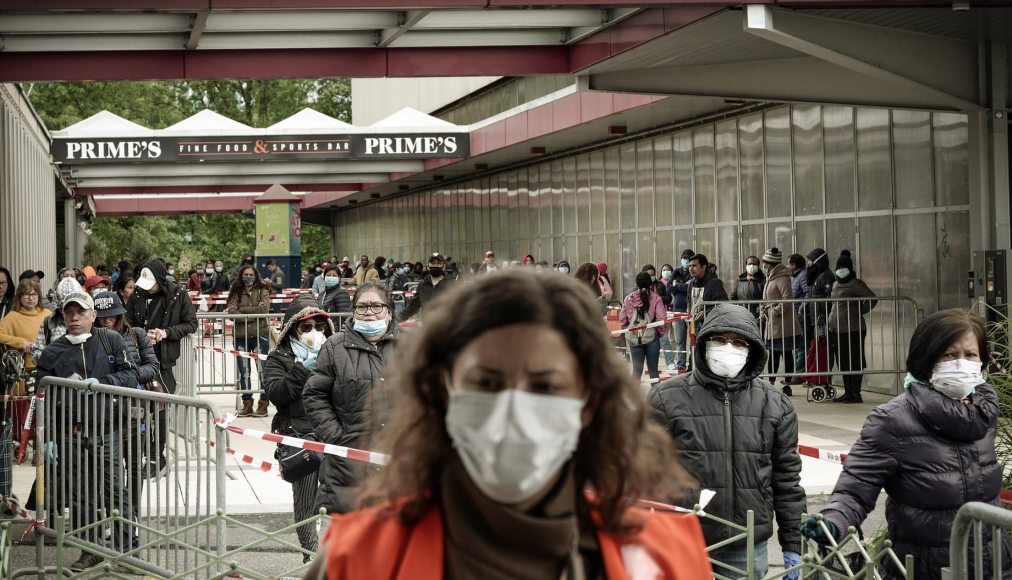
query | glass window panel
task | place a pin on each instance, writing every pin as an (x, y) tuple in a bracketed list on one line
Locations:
[(681, 186), (569, 195), (583, 194), (666, 249), (838, 123), (706, 243), (583, 251), (611, 189), (840, 234), (704, 174), (728, 264), (545, 200), (753, 241), (782, 236), (598, 248), (557, 202), (912, 151), (597, 204), (727, 171), (629, 265), (627, 185), (952, 180), (558, 250), (570, 252), (778, 162), (750, 160), (614, 260), (645, 184), (811, 235), (808, 178), (646, 251), (523, 202), (916, 273), (876, 266), (685, 239), (874, 167), (662, 181), (953, 247)]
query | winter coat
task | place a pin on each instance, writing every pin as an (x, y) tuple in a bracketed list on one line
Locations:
[(931, 454), (335, 299), (347, 401), (285, 377), (749, 288), (142, 354), (365, 274), (654, 312), (679, 288), (176, 315), (424, 294), (276, 280), (215, 283), (709, 289), (256, 300), (738, 436), (396, 281), (799, 289), (847, 317), (820, 286), (193, 282), (781, 318)]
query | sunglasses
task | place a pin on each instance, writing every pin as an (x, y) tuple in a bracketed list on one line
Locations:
[(735, 342), (309, 326)]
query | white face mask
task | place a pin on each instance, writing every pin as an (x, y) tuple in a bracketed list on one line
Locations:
[(843, 273), (725, 360), (314, 339), (78, 338), (751, 269), (956, 379), (512, 443)]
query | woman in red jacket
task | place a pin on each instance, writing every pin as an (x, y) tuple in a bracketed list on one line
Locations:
[(517, 444)]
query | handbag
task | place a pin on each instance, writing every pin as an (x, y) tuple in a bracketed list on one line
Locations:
[(296, 462)]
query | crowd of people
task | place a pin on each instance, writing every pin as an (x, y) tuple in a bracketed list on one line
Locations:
[(516, 435)]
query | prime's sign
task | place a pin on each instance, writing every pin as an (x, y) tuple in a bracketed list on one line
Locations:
[(259, 148)]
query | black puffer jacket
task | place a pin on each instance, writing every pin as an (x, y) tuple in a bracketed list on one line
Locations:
[(172, 312), (738, 437), (932, 454), (347, 400), (285, 377), (142, 353), (425, 294)]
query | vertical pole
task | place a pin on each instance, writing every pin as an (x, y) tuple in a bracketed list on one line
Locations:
[(750, 544), (40, 480)]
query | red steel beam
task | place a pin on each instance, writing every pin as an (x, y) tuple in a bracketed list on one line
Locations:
[(161, 206), (177, 189)]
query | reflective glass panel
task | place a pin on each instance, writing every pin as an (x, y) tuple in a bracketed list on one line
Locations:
[(806, 122), (645, 184), (663, 194), (682, 178), (750, 159), (704, 174), (727, 171), (912, 153), (952, 179), (778, 162), (874, 167)]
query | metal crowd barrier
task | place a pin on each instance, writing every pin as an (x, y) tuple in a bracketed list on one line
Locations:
[(811, 339), (971, 519)]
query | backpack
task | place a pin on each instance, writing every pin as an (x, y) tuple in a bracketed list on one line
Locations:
[(641, 337), (12, 367)]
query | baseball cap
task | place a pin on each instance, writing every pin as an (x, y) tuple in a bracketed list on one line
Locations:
[(312, 315), (146, 281), (436, 256), (80, 298), (96, 280), (108, 304), (489, 253), (30, 273)]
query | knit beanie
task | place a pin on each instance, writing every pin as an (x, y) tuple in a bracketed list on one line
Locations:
[(773, 256), (844, 261), (818, 255)]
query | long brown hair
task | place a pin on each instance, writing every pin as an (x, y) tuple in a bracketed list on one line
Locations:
[(24, 287), (622, 454), (589, 275)]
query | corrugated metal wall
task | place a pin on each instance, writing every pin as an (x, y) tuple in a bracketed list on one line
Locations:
[(27, 189)]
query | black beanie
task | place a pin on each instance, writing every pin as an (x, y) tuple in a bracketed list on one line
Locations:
[(844, 261)]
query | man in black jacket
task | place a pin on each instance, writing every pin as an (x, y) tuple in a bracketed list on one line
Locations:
[(163, 308), (435, 283), (737, 435), (706, 286), (84, 429)]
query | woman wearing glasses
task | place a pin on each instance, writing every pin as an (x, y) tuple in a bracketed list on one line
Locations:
[(346, 398), (306, 327)]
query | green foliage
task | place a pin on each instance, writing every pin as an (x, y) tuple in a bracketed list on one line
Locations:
[(315, 244)]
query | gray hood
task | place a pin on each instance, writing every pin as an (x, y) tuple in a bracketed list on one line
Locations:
[(303, 305), (730, 318)]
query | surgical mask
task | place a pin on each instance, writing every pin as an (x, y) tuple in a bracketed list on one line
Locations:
[(685, 263), (248, 281), (564, 269), (314, 339), (513, 443), (843, 273), (406, 269), (78, 338), (209, 271), (218, 268), (370, 328), (726, 360), (667, 274), (653, 278), (435, 271), (172, 272), (956, 379), (752, 269), (331, 281)]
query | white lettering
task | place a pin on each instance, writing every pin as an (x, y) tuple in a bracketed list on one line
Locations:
[(87, 151), (73, 149), (154, 149), (134, 149), (370, 144), (450, 144), (385, 147)]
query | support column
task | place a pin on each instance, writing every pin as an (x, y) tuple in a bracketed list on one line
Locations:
[(279, 233), (998, 125), (72, 250)]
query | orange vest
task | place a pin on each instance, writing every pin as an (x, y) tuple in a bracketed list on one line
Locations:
[(361, 545)]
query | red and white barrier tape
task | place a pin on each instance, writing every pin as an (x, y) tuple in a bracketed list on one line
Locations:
[(283, 294), (671, 317), (817, 453), (265, 466), (372, 457), (19, 510), (232, 351), (223, 301)]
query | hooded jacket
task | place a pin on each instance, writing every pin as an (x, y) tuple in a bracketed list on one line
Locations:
[(369, 273), (781, 318), (169, 310), (749, 289), (847, 317), (347, 400), (820, 284), (709, 289), (931, 454), (426, 293), (738, 436), (285, 377)]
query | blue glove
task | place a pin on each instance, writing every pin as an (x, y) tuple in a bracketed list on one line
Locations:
[(310, 362), (810, 528), (91, 381), (50, 452), (792, 559)]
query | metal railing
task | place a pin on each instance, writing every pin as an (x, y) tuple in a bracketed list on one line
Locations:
[(972, 519), (812, 339)]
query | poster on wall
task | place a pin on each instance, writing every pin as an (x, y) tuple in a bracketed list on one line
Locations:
[(273, 229)]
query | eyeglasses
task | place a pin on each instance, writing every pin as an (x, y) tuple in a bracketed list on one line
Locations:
[(364, 309), (30, 295), (309, 326), (735, 342)]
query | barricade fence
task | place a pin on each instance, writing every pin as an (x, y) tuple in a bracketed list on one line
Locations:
[(988, 527), (810, 340)]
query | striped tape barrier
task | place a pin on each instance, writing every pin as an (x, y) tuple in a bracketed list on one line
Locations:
[(20, 511), (670, 318), (372, 457), (817, 453), (232, 351)]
